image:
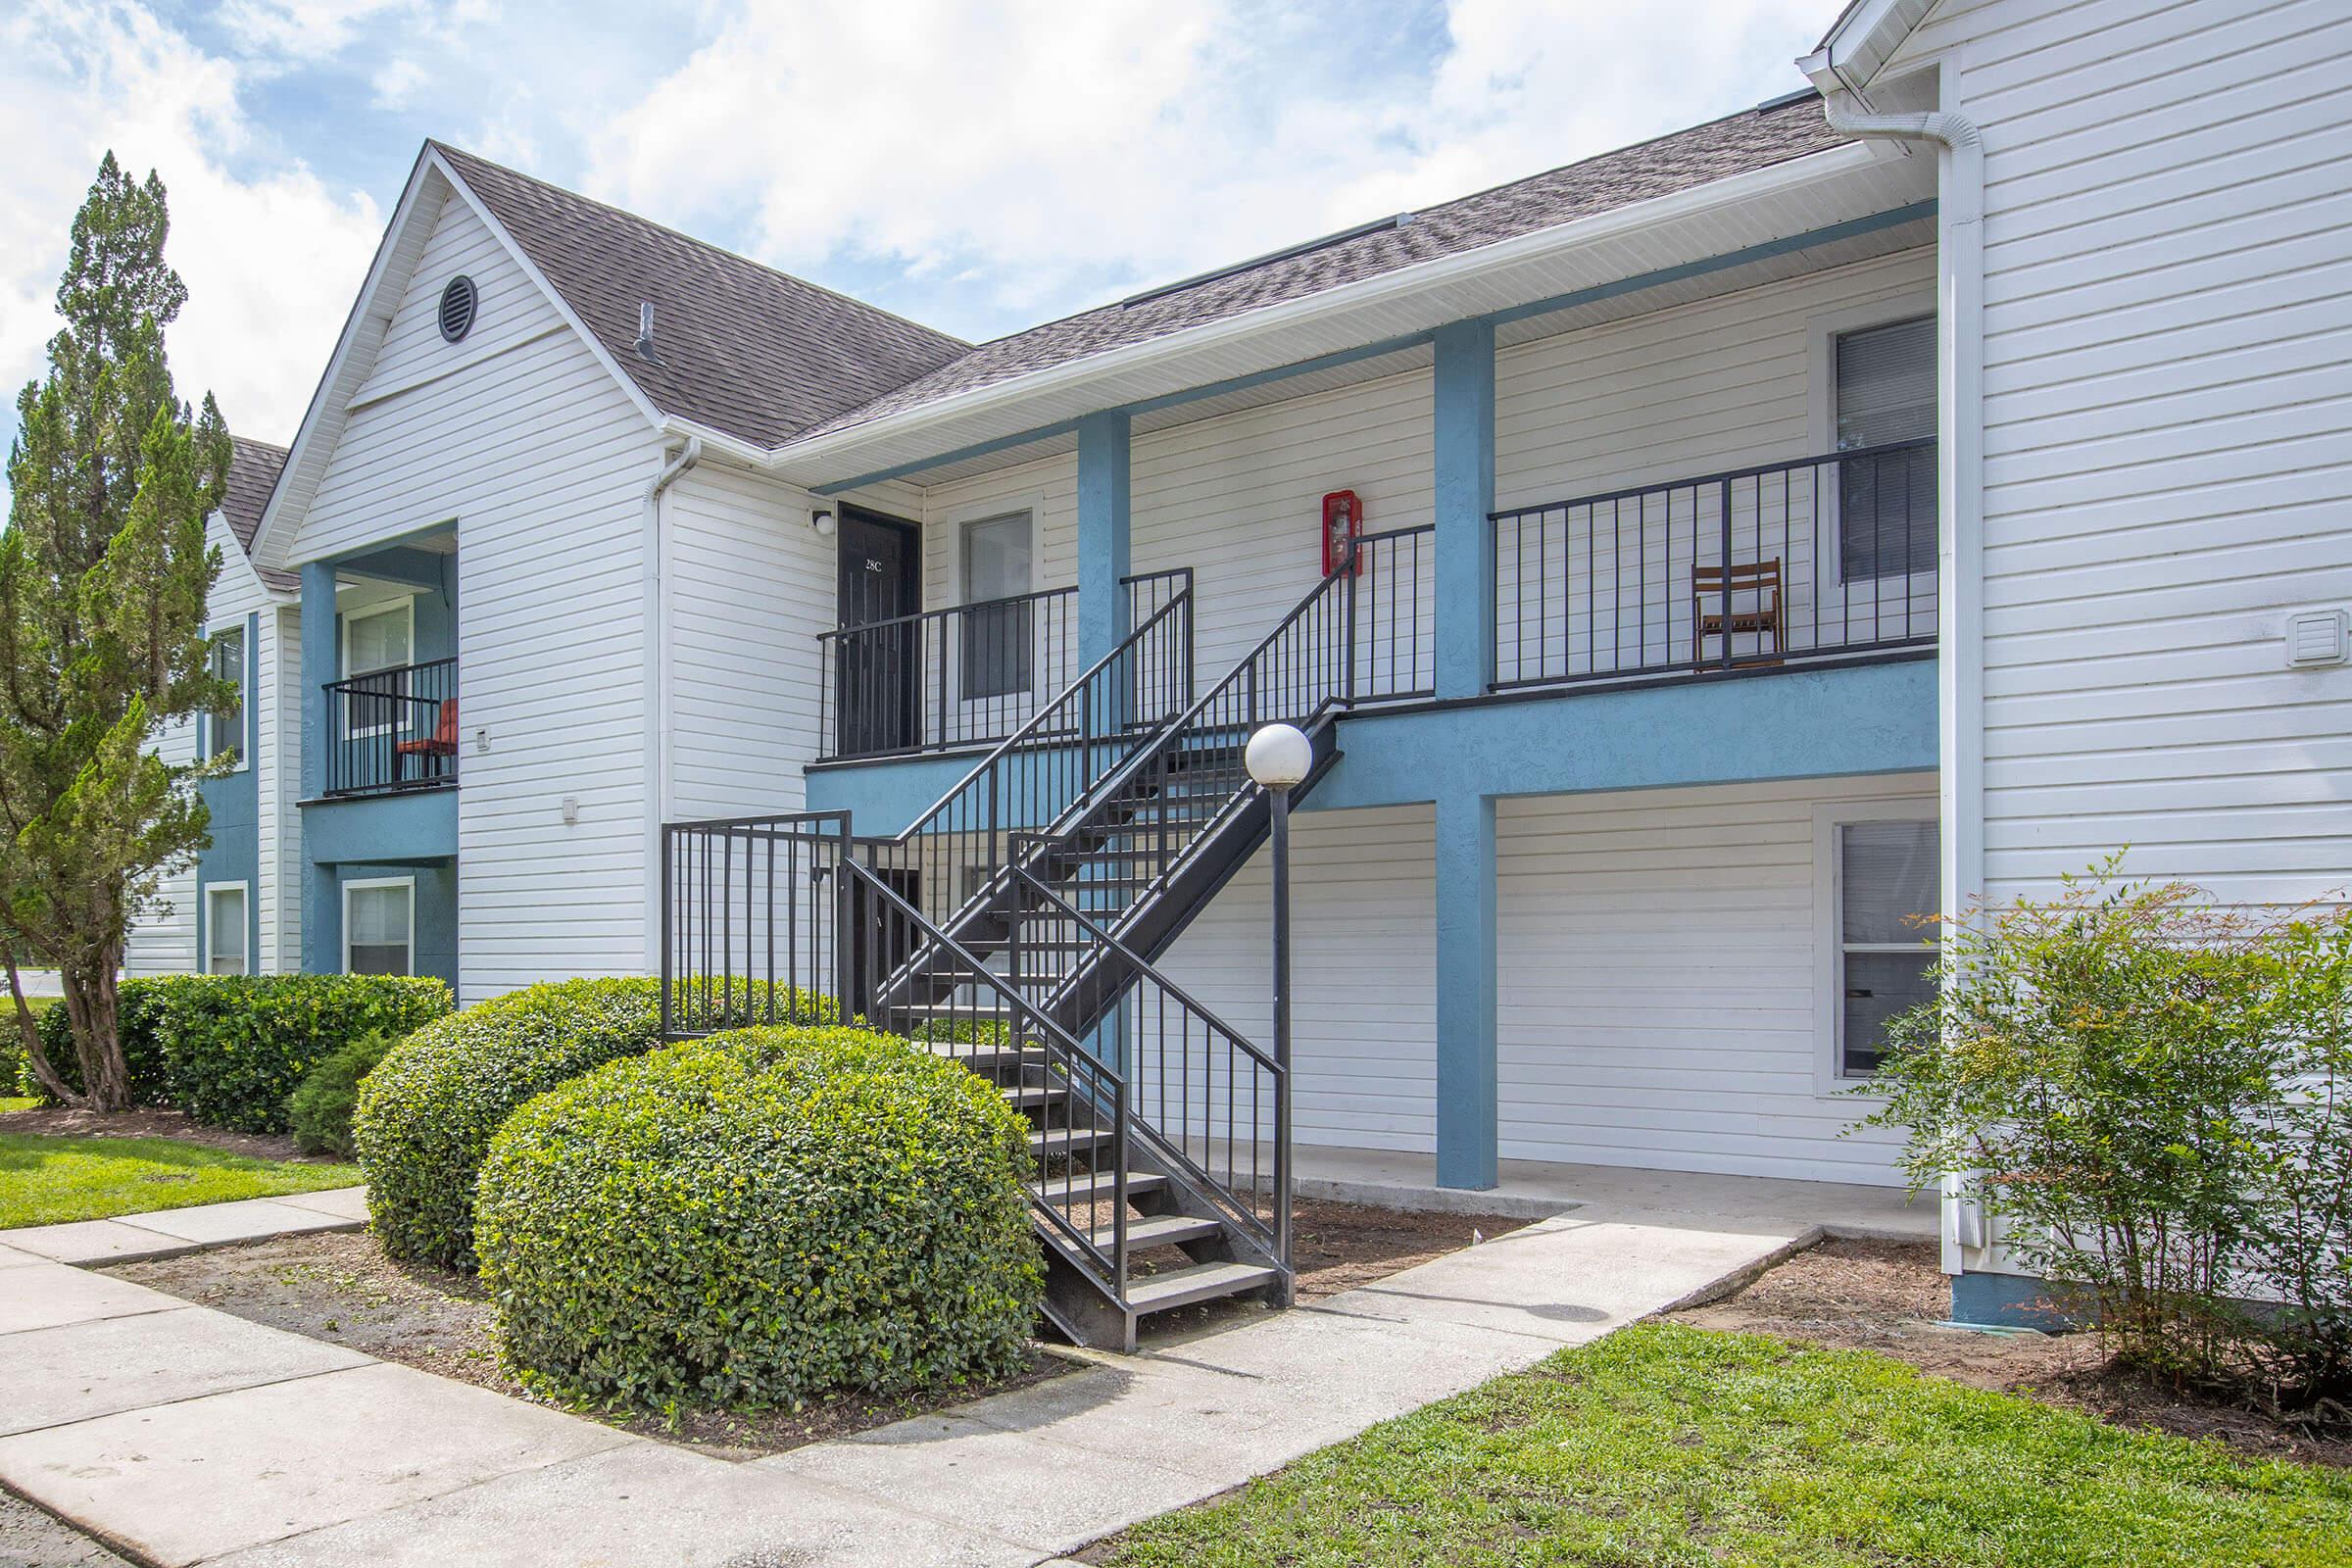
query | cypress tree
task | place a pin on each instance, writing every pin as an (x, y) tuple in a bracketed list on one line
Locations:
[(103, 575)]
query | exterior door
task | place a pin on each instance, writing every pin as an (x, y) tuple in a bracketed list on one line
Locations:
[(879, 675)]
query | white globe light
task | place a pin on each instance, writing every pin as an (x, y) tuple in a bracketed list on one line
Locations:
[(1279, 756)]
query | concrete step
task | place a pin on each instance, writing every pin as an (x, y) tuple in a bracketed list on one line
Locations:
[(1202, 1282)]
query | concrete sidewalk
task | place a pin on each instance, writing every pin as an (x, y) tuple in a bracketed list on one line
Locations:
[(185, 1436), (170, 1232)]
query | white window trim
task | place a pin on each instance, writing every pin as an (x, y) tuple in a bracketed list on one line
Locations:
[(1828, 931), (954, 524), (1821, 333), (363, 884), (204, 952), (249, 632), (345, 614)]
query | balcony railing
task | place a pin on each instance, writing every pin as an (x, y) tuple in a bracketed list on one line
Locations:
[(1788, 563), (391, 731), (969, 675)]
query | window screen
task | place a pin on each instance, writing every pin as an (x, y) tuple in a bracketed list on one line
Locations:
[(225, 931), (377, 641), (995, 636), (377, 935), (1887, 880), (228, 721), (1886, 500)]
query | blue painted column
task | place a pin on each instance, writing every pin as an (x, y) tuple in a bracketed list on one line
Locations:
[(1103, 444), (1466, 1099), (321, 656), (1463, 438)]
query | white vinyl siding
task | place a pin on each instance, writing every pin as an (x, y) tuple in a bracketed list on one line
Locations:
[(2167, 321), (1239, 499), (510, 307), (748, 586), (1657, 975), (540, 460), (1047, 489), (1363, 913), (162, 939)]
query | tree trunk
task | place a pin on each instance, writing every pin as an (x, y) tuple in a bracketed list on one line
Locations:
[(90, 1007), (29, 1030)]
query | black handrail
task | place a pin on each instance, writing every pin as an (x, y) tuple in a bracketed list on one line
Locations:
[(392, 730), (956, 676), (1821, 558)]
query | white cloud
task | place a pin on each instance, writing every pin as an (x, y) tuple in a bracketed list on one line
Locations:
[(1052, 149), (272, 258), (302, 29)]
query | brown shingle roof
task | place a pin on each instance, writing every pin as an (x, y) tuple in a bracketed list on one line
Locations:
[(1736, 144), (253, 471), (738, 347)]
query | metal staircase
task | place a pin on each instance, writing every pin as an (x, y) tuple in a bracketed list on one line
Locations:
[(1016, 927)]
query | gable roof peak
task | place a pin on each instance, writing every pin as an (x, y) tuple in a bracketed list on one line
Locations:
[(747, 350)]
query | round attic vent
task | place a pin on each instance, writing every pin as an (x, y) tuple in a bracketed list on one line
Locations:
[(459, 303)]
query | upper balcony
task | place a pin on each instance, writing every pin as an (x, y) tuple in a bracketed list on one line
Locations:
[(1802, 562), (392, 730)]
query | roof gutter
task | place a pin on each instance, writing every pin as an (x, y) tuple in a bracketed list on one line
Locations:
[(1795, 173)]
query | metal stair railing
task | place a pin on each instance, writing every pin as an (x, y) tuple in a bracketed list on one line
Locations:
[(1209, 1105), (1330, 651), (768, 920), (1096, 723)]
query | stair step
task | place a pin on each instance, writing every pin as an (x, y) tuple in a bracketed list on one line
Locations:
[(1202, 1282), (1163, 1230), (1029, 1097), (1097, 1185), (1064, 1140), (957, 1011)]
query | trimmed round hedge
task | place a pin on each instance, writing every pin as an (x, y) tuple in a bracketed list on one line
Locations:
[(758, 1218), (425, 1113)]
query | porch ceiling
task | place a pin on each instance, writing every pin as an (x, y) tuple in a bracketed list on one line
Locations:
[(1666, 293)]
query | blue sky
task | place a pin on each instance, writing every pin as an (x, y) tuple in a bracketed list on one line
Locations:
[(977, 167)]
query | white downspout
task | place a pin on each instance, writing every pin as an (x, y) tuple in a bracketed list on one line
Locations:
[(1960, 551), (658, 792)]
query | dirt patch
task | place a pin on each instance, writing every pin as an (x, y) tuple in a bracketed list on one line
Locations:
[(341, 1288), (1337, 1247), (1890, 1296), (62, 1121)]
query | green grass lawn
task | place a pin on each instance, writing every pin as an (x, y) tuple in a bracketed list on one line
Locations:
[(46, 1180), (1663, 1445)]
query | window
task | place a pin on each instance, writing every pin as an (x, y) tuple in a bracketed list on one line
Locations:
[(226, 723), (996, 639), (1887, 880), (376, 640), (379, 926), (1886, 393), (225, 931)]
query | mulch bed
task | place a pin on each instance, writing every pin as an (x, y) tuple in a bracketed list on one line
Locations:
[(341, 1288), (60, 1121), (1890, 1296)]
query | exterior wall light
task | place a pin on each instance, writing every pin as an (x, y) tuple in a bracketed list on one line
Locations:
[(821, 519)]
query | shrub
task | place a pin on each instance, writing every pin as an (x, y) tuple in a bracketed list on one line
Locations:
[(230, 1049), (237, 1045), (319, 1110), (758, 1218), (2155, 1094), (138, 1018), (425, 1115)]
